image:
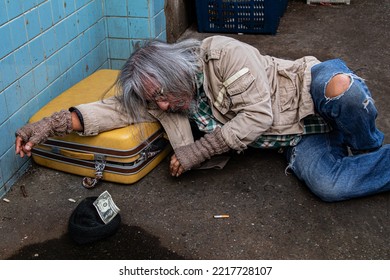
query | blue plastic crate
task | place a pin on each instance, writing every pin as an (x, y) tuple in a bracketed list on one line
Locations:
[(239, 16)]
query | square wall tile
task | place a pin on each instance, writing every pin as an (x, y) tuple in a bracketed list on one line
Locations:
[(40, 77), (32, 23), (49, 42), (101, 29), (59, 86), (14, 98), (3, 12), (139, 28), (97, 10), (75, 50), (69, 7), (61, 33), (139, 8), (45, 16), (6, 45), (75, 74), (94, 59), (6, 142), (85, 43), (27, 88), (119, 48), (14, 8), (72, 26), (117, 27), (85, 19), (115, 8), (31, 108), (37, 51), (18, 31), (44, 97), (88, 15), (64, 57), (3, 107), (58, 12), (8, 72), (22, 60), (102, 52), (53, 68), (97, 33)]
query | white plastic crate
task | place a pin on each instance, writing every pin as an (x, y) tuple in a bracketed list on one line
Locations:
[(328, 1)]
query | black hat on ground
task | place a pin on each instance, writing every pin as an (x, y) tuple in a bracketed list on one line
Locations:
[(86, 226)]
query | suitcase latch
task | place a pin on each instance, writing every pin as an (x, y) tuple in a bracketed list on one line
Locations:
[(100, 164)]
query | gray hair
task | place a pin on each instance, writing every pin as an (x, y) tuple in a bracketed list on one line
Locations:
[(172, 66)]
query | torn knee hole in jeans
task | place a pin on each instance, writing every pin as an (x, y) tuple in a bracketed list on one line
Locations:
[(337, 85), (344, 88)]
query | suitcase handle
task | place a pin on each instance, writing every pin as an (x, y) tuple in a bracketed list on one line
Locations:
[(85, 156), (77, 155)]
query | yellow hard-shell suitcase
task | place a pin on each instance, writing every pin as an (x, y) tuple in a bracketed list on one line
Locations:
[(116, 155)]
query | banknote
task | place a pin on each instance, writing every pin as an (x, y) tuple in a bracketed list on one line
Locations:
[(106, 207)]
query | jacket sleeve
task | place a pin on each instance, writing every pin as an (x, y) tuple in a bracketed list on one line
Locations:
[(245, 94), (177, 127), (105, 115)]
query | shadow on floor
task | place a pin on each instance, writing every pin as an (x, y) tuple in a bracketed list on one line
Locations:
[(130, 242)]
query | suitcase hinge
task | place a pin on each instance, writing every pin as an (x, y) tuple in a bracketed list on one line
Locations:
[(100, 164)]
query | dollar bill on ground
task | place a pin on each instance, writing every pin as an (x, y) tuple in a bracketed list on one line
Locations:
[(106, 207)]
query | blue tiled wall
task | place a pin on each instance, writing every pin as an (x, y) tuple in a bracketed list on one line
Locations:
[(46, 46), (128, 23)]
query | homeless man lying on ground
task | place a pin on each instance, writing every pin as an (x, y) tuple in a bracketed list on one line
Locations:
[(320, 113)]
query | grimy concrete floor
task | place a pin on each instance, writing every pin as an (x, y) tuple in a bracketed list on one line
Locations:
[(272, 216)]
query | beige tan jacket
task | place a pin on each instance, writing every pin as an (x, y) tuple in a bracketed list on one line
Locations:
[(250, 93)]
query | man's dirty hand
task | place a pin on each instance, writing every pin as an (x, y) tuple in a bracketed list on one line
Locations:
[(175, 167), (22, 148)]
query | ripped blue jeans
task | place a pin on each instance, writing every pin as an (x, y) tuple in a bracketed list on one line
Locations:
[(332, 164)]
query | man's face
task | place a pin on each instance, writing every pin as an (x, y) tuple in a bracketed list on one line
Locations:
[(170, 102)]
